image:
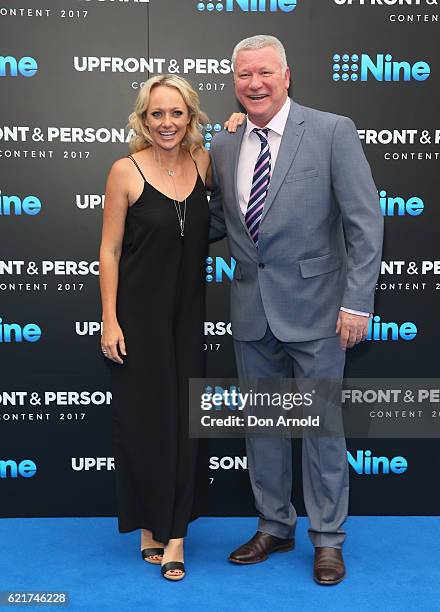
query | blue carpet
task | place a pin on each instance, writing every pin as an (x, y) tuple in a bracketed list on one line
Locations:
[(393, 564)]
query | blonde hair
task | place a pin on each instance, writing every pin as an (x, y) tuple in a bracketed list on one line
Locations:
[(136, 121)]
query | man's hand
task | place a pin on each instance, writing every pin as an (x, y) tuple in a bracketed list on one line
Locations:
[(351, 328)]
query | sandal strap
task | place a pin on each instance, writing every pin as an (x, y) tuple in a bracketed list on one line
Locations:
[(151, 552), (172, 565)]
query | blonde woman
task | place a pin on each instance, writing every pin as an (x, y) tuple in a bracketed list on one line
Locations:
[(154, 243)]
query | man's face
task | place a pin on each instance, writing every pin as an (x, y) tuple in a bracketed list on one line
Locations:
[(260, 83)]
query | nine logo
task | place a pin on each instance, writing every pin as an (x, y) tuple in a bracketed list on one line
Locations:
[(13, 332), (11, 469), (253, 6), (217, 268), (10, 66), (382, 68), (364, 463), (14, 205), (378, 330), (400, 207)]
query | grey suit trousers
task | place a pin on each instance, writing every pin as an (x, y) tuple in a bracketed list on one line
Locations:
[(324, 459)]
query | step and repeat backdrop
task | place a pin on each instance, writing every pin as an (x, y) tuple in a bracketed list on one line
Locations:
[(69, 73)]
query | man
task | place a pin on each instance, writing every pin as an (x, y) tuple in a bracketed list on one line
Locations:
[(295, 193)]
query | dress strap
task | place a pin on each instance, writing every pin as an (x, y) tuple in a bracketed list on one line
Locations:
[(197, 170), (137, 166)]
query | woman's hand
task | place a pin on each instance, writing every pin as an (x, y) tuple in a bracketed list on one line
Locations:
[(234, 121), (112, 339)]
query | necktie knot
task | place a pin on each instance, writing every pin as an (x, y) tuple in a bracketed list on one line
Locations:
[(262, 134)]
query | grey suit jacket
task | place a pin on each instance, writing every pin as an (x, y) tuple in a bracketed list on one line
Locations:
[(320, 236)]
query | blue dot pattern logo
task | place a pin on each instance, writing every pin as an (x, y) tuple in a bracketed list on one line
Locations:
[(208, 135), (209, 270), (210, 6), (345, 67)]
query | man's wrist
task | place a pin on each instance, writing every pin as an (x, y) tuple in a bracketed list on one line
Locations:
[(356, 312)]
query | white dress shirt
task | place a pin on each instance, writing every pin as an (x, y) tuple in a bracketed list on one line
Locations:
[(249, 152)]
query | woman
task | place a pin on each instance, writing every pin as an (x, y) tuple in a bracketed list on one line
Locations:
[(154, 244)]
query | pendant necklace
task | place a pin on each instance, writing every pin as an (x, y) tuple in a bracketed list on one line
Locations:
[(178, 206), (181, 217)]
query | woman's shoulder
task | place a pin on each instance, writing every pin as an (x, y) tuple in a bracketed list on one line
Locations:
[(201, 157), (123, 165), (120, 165), (123, 174)]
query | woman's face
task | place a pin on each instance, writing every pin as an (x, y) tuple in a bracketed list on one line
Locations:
[(167, 117)]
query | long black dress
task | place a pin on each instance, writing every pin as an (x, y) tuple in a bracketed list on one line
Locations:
[(160, 308)]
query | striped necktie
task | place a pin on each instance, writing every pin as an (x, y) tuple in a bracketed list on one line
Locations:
[(260, 185)]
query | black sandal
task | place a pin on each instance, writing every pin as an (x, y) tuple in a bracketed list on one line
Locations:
[(152, 552), (173, 565)]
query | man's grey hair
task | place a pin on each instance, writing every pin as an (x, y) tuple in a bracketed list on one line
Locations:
[(259, 42)]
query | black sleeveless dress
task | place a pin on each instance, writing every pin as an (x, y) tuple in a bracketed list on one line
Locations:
[(160, 308)]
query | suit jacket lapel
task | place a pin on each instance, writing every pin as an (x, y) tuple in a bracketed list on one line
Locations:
[(293, 133), (235, 157)]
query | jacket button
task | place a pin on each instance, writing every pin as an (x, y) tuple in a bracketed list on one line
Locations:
[(261, 265)]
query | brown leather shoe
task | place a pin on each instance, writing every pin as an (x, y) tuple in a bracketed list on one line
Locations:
[(328, 567), (259, 547)]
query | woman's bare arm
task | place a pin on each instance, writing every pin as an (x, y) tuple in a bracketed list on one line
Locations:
[(115, 211)]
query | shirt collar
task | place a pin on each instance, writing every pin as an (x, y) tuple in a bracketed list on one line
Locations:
[(276, 124)]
